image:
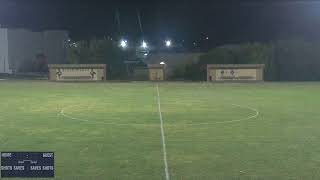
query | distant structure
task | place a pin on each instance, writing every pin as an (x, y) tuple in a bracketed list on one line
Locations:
[(235, 72), (77, 72), (157, 72), (23, 50), (172, 60)]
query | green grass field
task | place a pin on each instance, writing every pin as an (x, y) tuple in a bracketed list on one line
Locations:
[(212, 131)]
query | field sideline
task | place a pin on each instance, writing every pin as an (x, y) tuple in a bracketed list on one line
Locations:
[(134, 130)]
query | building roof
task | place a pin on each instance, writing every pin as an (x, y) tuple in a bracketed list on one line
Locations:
[(214, 66), (155, 66), (77, 66)]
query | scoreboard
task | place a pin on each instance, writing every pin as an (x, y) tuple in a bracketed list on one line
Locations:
[(27, 165)]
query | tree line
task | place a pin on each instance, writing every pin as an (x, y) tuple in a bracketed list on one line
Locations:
[(98, 51), (285, 60)]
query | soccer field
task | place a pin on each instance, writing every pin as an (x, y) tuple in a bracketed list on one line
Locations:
[(210, 131)]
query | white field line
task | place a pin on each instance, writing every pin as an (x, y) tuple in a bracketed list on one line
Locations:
[(99, 122), (154, 125), (163, 138), (230, 121)]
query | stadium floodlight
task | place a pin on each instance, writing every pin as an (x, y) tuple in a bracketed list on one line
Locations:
[(123, 43), (168, 43), (144, 45)]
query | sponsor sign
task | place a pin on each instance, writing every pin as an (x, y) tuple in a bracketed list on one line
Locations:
[(236, 74), (76, 74)]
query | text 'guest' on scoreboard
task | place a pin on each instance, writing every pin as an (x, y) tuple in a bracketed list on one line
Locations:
[(27, 164)]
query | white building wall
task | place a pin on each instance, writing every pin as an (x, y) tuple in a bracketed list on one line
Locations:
[(20, 47), (4, 59), (23, 47)]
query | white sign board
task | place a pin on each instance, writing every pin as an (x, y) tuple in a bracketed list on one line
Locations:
[(236, 74), (71, 74)]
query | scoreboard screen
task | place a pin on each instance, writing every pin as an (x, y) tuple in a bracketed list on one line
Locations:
[(27, 164)]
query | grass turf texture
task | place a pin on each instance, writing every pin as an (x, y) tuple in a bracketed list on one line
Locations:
[(112, 130)]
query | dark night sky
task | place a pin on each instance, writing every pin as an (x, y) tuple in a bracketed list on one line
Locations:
[(223, 21)]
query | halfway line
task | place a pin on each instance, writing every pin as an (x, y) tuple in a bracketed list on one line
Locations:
[(166, 169)]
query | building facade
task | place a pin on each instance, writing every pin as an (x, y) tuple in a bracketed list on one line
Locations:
[(20, 49), (157, 72)]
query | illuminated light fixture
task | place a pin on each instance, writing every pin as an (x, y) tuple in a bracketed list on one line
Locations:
[(144, 45), (123, 43), (168, 43), (162, 63)]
